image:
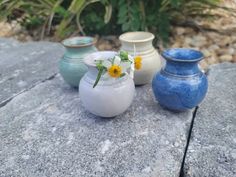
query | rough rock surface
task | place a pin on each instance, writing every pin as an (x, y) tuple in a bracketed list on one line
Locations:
[(212, 148), (22, 65), (45, 131)]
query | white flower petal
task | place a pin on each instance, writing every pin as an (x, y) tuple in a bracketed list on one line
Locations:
[(106, 63), (131, 74), (125, 66), (106, 75), (132, 67), (117, 60), (130, 58)]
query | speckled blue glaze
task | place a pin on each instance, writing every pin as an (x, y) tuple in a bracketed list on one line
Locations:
[(71, 65), (180, 85)]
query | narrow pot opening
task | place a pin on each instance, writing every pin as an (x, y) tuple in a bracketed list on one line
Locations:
[(183, 55), (90, 60), (137, 36), (76, 42)]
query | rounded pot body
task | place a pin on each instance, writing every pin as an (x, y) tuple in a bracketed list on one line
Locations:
[(110, 97), (140, 43), (180, 85), (71, 65)]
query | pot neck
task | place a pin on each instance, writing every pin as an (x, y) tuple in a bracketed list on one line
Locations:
[(79, 49), (92, 72), (141, 47), (78, 52), (182, 68)]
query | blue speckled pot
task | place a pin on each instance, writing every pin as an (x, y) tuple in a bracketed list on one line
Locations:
[(180, 85), (71, 65)]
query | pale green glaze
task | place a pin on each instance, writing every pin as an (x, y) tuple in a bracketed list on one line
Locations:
[(71, 65)]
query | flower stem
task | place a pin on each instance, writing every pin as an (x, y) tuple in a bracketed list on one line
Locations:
[(100, 71)]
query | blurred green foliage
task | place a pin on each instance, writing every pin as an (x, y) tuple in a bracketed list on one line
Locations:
[(63, 18)]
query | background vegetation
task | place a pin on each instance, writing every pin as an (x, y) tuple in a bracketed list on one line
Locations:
[(63, 18)]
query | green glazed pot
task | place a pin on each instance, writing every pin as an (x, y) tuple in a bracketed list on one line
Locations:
[(71, 65)]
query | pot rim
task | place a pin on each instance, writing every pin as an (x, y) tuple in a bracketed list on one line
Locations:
[(71, 42), (125, 37), (101, 55), (182, 55)]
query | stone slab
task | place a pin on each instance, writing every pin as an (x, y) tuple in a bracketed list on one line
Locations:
[(22, 65), (212, 148), (45, 131)]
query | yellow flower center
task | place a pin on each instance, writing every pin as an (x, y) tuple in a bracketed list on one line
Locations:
[(138, 62), (114, 71)]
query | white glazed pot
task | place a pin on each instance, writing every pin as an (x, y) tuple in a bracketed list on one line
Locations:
[(151, 62), (110, 97)]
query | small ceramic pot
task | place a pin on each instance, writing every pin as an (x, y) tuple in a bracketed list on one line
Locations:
[(110, 97), (71, 65), (142, 41), (180, 85)]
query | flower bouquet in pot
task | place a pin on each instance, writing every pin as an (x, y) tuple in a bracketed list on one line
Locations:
[(107, 89)]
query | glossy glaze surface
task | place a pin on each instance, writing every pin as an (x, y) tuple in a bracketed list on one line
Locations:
[(110, 97), (71, 65), (180, 85)]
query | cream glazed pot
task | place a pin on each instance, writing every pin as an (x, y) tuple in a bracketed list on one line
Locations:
[(141, 42), (110, 97)]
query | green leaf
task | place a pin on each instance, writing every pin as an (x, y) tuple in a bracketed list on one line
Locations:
[(124, 56), (135, 25), (174, 3), (122, 75), (122, 20), (61, 11), (108, 13), (125, 27), (100, 71), (164, 26), (123, 10)]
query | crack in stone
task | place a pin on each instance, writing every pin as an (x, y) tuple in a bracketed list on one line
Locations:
[(188, 141), (182, 173), (5, 102)]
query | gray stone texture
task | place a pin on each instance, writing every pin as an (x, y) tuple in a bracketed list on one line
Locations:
[(45, 131), (212, 148), (23, 65)]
